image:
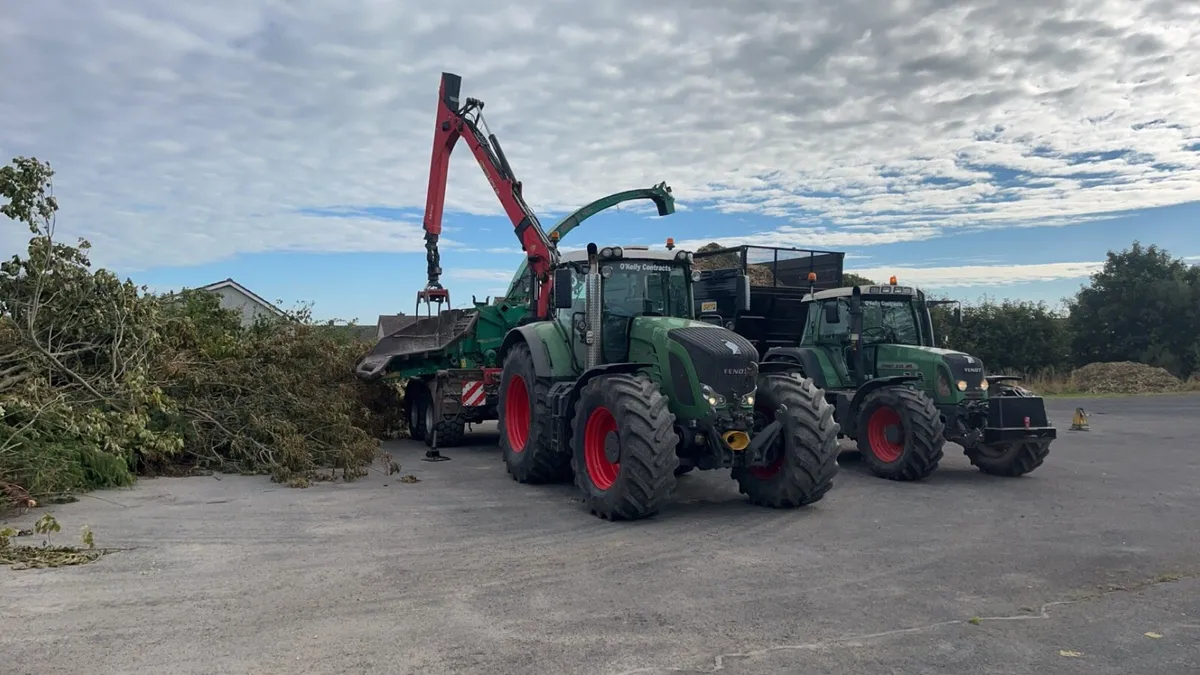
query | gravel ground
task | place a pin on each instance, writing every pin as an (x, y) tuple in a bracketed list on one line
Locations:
[(1062, 571)]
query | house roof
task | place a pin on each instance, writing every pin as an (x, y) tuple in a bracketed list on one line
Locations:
[(230, 283), (390, 323)]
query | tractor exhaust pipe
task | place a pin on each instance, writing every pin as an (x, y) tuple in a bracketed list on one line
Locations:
[(856, 323), (593, 306)]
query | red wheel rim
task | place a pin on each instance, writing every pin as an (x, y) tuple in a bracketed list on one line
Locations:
[(771, 470), (595, 434), (877, 426), (516, 413)]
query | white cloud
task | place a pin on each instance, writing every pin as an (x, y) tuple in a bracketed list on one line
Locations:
[(480, 275), (980, 275), (184, 133)]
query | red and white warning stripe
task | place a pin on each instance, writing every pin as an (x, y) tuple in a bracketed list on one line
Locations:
[(473, 394)]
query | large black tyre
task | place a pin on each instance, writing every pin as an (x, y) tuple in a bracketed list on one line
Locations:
[(803, 459), (524, 423), (416, 403), (1009, 459), (900, 433), (623, 417), (449, 433)]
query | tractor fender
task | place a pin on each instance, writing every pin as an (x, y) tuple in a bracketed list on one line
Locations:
[(528, 335), (871, 386), (995, 379), (588, 375), (606, 369), (780, 366), (810, 367), (563, 395)]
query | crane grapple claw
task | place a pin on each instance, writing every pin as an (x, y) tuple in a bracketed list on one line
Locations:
[(431, 296)]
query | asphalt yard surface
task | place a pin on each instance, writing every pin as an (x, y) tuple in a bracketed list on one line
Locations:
[(1088, 565)]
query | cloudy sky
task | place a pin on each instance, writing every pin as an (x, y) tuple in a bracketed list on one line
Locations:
[(981, 146)]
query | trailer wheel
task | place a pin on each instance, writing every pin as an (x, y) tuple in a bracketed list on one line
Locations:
[(1009, 459), (416, 404), (449, 432), (900, 433), (802, 462), (623, 447), (524, 417)]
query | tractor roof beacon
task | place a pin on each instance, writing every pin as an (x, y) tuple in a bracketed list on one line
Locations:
[(609, 378), (873, 351)]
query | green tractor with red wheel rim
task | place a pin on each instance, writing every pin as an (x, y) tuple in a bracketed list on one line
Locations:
[(901, 398), (623, 390), (871, 348)]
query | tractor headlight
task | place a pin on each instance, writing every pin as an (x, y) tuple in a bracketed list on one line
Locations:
[(748, 399), (714, 399), (606, 252), (962, 385), (684, 256), (618, 252), (983, 384)]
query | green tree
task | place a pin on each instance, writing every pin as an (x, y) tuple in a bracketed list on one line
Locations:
[(1017, 336), (1143, 306)]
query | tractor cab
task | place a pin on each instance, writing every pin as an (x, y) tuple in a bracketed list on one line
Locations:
[(854, 325), (634, 282)]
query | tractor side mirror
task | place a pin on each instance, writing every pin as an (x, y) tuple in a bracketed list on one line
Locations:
[(743, 293), (831, 313), (563, 278)]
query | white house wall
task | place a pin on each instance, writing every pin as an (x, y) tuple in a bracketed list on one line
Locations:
[(232, 298)]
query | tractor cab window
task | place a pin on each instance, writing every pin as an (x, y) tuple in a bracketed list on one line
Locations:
[(891, 322), (645, 288), (634, 288), (578, 302), (831, 331)]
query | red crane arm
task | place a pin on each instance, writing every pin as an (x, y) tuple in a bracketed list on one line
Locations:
[(454, 122)]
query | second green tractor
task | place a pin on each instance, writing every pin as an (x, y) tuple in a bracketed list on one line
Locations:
[(872, 349)]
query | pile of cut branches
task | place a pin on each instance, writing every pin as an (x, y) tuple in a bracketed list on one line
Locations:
[(759, 273), (101, 380)]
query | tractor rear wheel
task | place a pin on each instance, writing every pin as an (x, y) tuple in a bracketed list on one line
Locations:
[(524, 423), (416, 404), (1009, 459), (623, 447), (802, 462), (900, 433)]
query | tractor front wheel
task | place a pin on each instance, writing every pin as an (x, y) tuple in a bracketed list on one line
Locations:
[(524, 423), (802, 462), (1009, 459), (623, 447), (900, 433)]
